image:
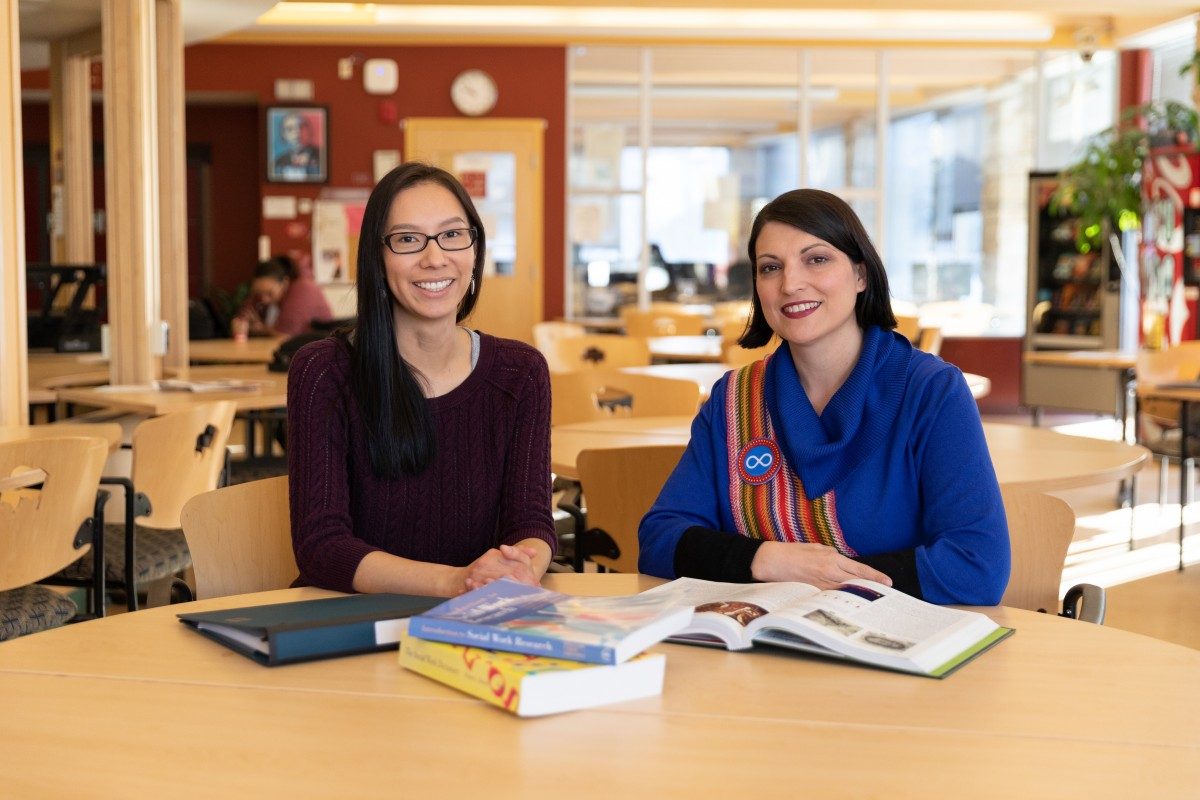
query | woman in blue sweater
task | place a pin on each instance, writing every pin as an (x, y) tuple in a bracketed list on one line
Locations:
[(846, 453)]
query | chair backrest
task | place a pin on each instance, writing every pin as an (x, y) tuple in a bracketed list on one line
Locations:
[(594, 394), (38, 526), (546, 332), (1178, 363), (661, 322), (178, 456), (908, 327), (736, 356), (732, 309), (619, 486), (240, 538), (606, 351), (930, 340), (1040, 529)]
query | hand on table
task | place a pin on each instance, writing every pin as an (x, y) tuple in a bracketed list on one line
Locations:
[(506, 561), (816, 564)]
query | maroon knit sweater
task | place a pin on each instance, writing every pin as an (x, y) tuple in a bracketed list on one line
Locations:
[(488, 484)]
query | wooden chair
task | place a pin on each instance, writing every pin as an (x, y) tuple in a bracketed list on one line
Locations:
[(606, 393), (608, 351), (908, 327), (546, 332), (620, 484), (175, 457), (736, 356), (240, 538), (45, 528), (1157, 419), (1040, 529), (930, 340), (661, 322)]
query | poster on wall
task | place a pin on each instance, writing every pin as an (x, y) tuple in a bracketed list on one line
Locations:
[(297, 144), (336, 221)]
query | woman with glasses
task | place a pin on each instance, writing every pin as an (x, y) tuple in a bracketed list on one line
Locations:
[(419, 452), (844, 454)]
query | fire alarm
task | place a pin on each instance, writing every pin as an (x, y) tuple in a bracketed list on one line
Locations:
[(380, 76)]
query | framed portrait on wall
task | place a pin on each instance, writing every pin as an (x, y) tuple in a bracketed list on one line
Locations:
[(297, 144)]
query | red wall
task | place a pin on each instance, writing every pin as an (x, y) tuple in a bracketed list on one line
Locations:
[(531, 82), (998, 360)]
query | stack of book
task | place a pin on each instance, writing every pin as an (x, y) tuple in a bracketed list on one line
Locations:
[(532, 651)]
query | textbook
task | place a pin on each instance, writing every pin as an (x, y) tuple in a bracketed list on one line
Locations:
[(506, 615), (530, 686), (860, 621), (284, 633)]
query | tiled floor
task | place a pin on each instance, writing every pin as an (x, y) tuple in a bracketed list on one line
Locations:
[(1146, 591)]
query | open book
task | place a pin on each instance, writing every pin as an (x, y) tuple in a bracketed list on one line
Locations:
[(860, 620), (225, 385)]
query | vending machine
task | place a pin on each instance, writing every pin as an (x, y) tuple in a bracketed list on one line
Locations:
[(1169, 255)]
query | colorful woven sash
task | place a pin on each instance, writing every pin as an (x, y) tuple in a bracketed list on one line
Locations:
[(767, 499)]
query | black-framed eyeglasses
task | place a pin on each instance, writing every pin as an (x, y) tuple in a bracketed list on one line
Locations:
[(408, 242)]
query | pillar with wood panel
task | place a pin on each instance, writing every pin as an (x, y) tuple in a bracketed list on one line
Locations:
[(73, 240), (14, 389), (131, 189), (172, 180)]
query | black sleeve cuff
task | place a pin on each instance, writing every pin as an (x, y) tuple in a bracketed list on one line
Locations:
[(715, 556), (900, 566)]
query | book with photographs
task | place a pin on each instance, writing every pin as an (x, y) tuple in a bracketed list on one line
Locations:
[(510, 616), (531, 686), (860, 620)]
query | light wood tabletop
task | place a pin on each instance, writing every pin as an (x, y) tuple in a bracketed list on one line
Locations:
[(1024, 457), (109, 431), (255, 350), (1061, 708), (271, 392), (686, 348), (1105, 359)]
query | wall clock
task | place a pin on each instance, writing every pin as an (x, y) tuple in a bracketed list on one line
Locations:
[(474, 92)]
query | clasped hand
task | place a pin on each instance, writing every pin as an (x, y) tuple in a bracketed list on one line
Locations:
[(505, 561)]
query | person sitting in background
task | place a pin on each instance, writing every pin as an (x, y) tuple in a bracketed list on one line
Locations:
[(419, 452), (283, 301), (845, 453)]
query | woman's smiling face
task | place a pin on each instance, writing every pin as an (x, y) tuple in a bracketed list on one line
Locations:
[(807, 288)]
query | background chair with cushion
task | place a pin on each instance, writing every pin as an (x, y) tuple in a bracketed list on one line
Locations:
[(602, 350), (240, 538), (45, 527), (1040, 529), (619, 486), (606, 393), (175, 457)]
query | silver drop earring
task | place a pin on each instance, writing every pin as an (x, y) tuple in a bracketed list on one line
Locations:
[(471, 288)]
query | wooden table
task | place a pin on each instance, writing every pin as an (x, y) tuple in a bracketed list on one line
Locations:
[(685, 348), (1062, 708), (109, 431), (1086, 380), (149, 401), (705, 374), (255, 350), (1024, 457)]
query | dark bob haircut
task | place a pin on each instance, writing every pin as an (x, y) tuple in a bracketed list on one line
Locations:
[(829, 218), (392, 402)]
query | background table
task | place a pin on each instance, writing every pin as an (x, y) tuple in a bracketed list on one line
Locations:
[(1085, 380), (151, 402), (1062, 708), (685, 348), (255, 350), (1024, 457)]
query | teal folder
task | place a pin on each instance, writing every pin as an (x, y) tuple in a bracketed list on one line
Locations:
[(304, 630)]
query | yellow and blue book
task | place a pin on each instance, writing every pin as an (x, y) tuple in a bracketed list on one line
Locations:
[(510, 616), (531, 686)]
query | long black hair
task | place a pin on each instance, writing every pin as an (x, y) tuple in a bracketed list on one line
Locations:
[(829, 218), (400, 435)]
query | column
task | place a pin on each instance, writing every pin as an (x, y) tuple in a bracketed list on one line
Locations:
[(131, 189), (172, 180), (14, 373)]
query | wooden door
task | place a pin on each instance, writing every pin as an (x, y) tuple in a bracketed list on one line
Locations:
[(499, 161)]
